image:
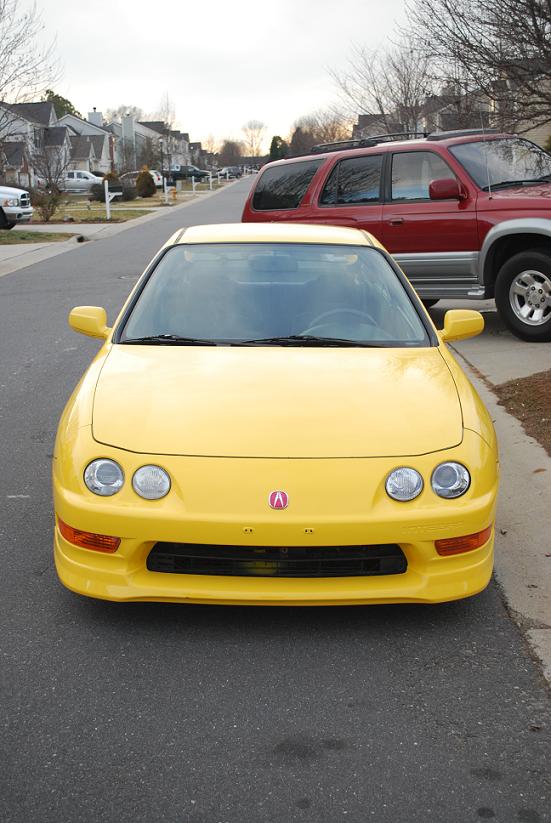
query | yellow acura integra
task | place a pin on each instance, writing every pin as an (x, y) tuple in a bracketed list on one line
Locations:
[(273, 419)]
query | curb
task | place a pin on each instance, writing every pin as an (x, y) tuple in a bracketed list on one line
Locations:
[(46, 252), (523, 542)]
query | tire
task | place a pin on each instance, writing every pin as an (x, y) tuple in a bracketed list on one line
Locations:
[(523, 295), (428, 304), (4, 222)]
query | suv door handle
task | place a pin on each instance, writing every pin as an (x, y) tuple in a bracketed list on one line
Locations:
[(396, 221)]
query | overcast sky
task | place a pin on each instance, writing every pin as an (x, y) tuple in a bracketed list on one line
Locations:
[(222, 63)]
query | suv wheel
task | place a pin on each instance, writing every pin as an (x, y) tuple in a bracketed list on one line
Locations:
[(523, 295)]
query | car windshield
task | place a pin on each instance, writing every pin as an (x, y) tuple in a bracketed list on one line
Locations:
[(504, 162), (274, 294)]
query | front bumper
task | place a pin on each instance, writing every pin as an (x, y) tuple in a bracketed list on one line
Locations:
[(224, 501)]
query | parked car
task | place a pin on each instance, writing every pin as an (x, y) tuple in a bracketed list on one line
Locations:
[(178, 172), (157, 177), (79, 181), (231, 171), (15, 207), (305, 435), (466, 214)]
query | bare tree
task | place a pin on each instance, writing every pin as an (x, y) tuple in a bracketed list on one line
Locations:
[(50, 164), (501, 50), (119, 112), (255, 132), (231, 153), (390, 86), (27, 68), (325, 126)]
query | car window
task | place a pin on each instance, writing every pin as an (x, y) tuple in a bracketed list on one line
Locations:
[(491, 162), (283, 187), (234, 292), (355, 180), (412, 172), (71, 175)]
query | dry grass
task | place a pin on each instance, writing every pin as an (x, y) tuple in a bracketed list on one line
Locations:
[(13, 238)]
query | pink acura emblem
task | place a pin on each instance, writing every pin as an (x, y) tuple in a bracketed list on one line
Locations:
[(278, 500)]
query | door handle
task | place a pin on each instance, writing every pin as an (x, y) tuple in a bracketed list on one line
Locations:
[(396, 221)]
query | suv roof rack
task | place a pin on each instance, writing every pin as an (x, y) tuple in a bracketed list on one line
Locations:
[(366, 142), (445, 135)]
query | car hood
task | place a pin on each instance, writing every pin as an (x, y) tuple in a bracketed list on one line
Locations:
[(276, 401), (9, 191)]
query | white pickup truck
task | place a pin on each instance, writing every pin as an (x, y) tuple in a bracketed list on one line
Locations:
[(15, 207)]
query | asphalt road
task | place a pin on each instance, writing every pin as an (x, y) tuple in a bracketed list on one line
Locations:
[(196, 714)]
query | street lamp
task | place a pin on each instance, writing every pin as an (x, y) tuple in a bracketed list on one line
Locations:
[(162, 161)]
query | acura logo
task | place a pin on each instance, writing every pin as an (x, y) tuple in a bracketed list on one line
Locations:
[(278, 500)]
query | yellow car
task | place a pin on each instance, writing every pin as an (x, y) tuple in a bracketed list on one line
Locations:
[(273, 419)]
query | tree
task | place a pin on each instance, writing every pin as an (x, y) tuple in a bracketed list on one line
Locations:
[(26, 67), (278, 148), (254, 131), (231, 153), (501, 50), (61, 104), (301, 141), (389, 85), (121, 111), (325, 125), (50, 164)]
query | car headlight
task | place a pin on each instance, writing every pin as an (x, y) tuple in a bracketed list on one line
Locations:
[(151, 482), (11, 202), (404, 484), (450, 480), (104, 477)]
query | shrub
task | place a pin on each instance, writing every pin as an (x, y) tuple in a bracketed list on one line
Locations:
[(97, 192), (129, 192), (145, 185), (46, 202)]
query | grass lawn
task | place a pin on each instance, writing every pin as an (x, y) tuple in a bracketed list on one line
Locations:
[(12, 238), (94, 214)]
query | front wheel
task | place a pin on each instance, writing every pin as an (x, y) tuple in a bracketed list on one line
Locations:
[(523, 295)]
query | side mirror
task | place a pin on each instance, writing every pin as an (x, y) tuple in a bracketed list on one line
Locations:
[(89, 320), (459, 324), (446, 189)]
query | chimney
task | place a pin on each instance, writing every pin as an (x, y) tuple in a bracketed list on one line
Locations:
[(95, 118)]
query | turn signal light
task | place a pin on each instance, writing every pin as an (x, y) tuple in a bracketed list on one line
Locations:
[(457, 545), (89, 540)]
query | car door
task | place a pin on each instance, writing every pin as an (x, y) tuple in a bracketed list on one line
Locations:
[(350, 194), (435, 241), (70, 182)]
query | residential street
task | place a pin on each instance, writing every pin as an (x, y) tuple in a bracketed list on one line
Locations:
[(138, 713)]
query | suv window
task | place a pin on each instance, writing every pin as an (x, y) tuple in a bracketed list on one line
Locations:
[(283, 187), (356, 180), (413, 171)]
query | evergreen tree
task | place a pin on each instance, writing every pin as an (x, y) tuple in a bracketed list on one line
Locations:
[(278, 148)]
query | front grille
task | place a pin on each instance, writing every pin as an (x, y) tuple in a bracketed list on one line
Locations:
[(25, 200), (277, 561)]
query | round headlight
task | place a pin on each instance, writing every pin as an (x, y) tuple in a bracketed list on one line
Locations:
[(104, 477), (450, 480), (151, 482), (404, 484)]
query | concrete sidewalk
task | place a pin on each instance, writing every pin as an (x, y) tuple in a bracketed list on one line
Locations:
[(523, 539)]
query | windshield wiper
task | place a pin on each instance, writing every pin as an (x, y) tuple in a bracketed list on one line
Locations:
[(505, 183), (306, 340), (169, 340)]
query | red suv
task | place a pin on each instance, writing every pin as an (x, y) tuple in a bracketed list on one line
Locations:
[(466, 214)]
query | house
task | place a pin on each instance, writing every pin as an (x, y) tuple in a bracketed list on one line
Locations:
[(83, 155), (43, 147), (103, 140), (14, 160)]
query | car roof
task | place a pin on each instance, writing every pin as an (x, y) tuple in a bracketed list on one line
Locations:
[(446, 140), (274, 233)]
